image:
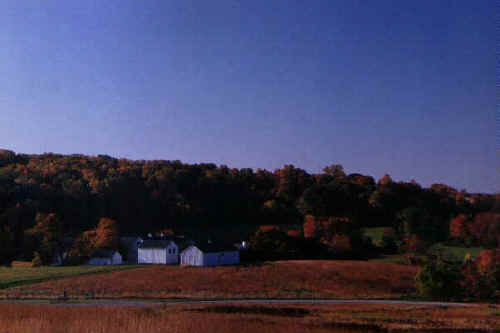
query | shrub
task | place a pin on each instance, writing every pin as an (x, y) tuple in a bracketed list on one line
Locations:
[(439, 280)]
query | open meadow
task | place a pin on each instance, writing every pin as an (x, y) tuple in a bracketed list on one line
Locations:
[(282, 279), (348, 318)]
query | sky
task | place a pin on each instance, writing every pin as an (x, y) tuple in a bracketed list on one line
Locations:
[(399, 87)]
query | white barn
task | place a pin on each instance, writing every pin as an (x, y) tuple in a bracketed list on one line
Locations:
[(210, 255), (105, 257), (158, 252)]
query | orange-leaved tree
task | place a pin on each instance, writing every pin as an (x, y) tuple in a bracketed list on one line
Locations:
[(106, 234)]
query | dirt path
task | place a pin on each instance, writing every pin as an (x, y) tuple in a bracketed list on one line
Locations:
[(112, 302)]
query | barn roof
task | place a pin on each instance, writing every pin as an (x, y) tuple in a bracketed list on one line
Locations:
[(155, 244), (181, 243)]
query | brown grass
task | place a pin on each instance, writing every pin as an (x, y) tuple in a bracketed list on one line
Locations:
[(287, 279), (21, 318)]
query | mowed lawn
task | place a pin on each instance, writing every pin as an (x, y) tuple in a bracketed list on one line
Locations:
[(15, 276), (282, 279)]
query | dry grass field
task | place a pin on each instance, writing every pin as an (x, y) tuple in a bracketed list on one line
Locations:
[(351, 318), (286, 279)]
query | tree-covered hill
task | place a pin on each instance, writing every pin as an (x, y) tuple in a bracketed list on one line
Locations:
[(144, 196)]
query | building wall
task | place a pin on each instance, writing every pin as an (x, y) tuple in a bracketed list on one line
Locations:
[(172, 254), (192, 256), (222, 258), (152, 256), (100, 261), (117, 259)]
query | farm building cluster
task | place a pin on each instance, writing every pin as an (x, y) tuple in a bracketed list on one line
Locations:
[(169, 251)]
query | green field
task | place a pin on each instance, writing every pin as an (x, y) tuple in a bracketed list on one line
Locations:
[(15, 276), (374, 233), (456, 251)]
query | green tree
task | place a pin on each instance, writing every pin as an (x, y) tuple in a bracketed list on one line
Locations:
[(48, 234), (439, 279)]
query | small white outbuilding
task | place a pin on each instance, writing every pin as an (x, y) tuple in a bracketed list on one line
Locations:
[(210, 254), (158, 252), (105, 257)]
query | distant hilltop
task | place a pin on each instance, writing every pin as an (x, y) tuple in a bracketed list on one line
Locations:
[(6, 152)]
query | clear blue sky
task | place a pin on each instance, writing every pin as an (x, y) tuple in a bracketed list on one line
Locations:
[(399, 87)]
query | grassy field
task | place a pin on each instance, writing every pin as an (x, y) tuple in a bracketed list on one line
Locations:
[(456, 251), (15, 276), (285, 279), (374, 233), (348, 318)]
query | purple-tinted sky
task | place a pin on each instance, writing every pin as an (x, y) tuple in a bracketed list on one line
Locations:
[(399, 87)]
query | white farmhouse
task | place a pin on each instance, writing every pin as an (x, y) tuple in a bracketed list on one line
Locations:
[(158, 252), (105, 257), (210, 254)]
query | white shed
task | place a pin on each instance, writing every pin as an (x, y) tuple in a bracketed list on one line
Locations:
[(105, 257), (158, 252), (210, 255)]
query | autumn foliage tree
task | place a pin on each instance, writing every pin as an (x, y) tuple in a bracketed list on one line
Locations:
[(459, 228), (482, 276), (324, 229), (106, 234), (487, 260), (81, 249), (485, 229)]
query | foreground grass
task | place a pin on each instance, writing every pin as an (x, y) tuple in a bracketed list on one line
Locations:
[(352, 318), (15, 276), (283, 279)]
